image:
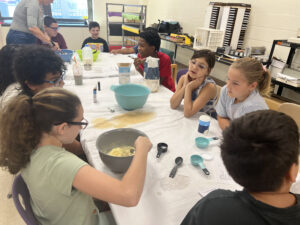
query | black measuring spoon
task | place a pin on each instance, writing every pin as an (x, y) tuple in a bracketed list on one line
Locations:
[(178, 162)]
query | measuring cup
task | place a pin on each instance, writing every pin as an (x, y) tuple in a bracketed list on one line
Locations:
[(161, 148), (202, 142), (197, 160)]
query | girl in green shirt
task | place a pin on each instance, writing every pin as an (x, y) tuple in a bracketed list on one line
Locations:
[(61, 186)]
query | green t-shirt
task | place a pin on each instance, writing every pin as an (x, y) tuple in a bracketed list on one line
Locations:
[(49, 176)]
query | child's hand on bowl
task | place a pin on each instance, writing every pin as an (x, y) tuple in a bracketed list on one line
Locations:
[(142, 143)]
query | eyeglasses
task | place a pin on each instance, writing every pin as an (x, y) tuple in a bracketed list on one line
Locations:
[(54, 28), (55, 82), (84, 123)]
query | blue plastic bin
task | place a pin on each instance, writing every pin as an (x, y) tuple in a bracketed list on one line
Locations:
[(65, 54)]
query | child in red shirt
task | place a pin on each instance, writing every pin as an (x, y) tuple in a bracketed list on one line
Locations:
[(148, 45)]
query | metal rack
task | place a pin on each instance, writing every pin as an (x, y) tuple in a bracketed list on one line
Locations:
[(293, 47), (232, 18), (115, 28)]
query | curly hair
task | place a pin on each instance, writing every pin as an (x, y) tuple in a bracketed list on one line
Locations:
[(254, 71), (25, 119), (34, 63), (151, 37), (7, 56), (258, 149)]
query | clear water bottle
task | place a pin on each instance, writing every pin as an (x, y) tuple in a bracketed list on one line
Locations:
[(87, 57)]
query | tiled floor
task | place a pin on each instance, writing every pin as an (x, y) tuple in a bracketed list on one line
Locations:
[(8, 213)]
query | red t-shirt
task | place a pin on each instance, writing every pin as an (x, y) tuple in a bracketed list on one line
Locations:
[(164, 70)]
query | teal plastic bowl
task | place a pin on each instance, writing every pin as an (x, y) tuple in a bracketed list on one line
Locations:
[(202, 142), (130, 96)]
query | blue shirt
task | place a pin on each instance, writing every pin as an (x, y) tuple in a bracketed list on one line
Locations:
[(228, 109)]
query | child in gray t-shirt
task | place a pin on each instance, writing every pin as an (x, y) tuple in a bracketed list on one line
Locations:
[(247, 81)]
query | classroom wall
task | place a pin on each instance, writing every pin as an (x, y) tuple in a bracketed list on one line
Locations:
[(269, 20)]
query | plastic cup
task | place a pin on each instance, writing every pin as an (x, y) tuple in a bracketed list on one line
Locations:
[(124, 73), (77, 72), (78, 80), (204, 123)]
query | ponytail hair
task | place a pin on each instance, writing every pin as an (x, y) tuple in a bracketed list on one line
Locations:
[(25, 119), (254, 71)]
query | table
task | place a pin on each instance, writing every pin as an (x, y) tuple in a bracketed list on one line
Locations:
[(293, 47), (164, 201), (163, 37)]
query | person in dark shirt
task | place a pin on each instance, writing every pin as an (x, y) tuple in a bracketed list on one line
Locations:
[(94, 29), (260, 152), (51, 28)]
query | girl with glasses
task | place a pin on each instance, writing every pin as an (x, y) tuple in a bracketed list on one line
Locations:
[(61, 185), (197, 89), (37, 68)]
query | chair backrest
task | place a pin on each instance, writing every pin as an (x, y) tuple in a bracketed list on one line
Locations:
[(19, 190), (292, 110), (174, 72), (169, 53), (218, 93), (272, 104), (180, 73)]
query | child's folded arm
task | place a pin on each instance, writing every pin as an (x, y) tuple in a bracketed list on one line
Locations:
[(223, 122), (191, 107), (177, 97)]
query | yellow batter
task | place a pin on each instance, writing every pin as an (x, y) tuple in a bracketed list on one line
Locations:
[(121, 151), (123, 120)]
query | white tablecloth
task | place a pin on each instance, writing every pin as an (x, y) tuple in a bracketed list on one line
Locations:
[(165, 201)]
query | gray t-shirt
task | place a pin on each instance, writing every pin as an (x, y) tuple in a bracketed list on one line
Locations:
[(28, 13), (228, 109), (49, 176)]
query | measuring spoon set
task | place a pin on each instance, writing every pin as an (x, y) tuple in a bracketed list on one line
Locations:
[(196, 160)]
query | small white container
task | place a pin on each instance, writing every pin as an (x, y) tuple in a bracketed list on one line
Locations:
[(204, 123), (124, 73)]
